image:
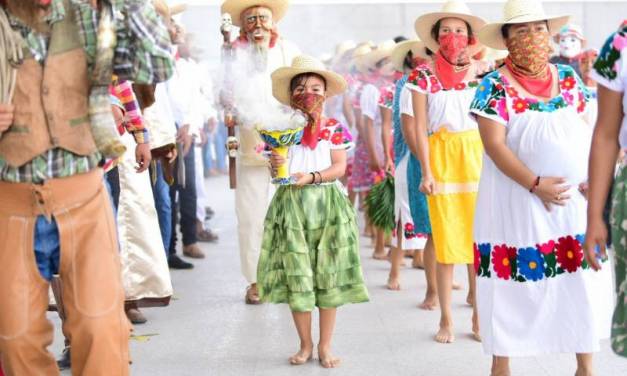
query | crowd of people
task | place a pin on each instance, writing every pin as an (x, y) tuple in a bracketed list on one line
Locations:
[(502, 155)]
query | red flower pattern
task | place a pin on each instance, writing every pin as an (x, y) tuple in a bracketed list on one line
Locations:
[(337, 138), (546, 248), (460, 86), (501, 261), (569, 254), (511, 92), (520, 105), (325, 134), (477, 258), (568, 83)]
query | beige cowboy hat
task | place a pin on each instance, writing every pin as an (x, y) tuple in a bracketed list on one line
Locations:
[(451, 9), (417, 48), (370, 60), (282, 77), (517, 12), (236, 7), (359, 52), (341, 50), (166, 11)]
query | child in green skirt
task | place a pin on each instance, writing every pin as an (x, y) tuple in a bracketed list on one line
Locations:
[(310, 250)]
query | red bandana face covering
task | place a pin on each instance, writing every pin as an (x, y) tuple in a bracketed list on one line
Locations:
[(451, 60), (528, 61), (311, 105)]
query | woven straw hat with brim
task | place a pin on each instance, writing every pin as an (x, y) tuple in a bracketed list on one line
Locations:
[(417, 48), (342, 49), (369, 61), (282, 78), (451, 9), (166, 11), (518, 12), (236, 7), (359, 52)]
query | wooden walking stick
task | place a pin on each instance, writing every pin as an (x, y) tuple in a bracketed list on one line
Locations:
[(230, 120)]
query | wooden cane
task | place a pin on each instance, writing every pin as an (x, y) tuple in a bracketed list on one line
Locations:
[(228, 56)]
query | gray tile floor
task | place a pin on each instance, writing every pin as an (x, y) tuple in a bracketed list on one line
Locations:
[(208, 330)]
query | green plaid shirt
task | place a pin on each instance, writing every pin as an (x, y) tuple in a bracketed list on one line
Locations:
[(142, 55)]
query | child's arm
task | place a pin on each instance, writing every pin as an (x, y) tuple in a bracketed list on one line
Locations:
[(336, 171)]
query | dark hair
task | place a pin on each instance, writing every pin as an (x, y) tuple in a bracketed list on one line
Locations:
[(400, 39), (435, 30), (505, 29), (302, 79)]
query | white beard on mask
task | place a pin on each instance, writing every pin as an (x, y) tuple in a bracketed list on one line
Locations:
[(570, 46), (259, 56)]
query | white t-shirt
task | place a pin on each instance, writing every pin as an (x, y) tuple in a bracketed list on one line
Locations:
[(611, 72), (369, 103), (406, 103)]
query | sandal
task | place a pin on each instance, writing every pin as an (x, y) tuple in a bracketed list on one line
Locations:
[(252, 298)]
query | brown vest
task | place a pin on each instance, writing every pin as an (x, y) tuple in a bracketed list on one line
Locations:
[(51, 100)]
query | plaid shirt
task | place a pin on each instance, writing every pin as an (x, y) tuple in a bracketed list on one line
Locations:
[(142, 54)]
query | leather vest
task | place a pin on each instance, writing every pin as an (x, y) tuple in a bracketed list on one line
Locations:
[(51, 99)]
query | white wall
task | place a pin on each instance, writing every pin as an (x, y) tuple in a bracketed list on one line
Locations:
[(317, 26)]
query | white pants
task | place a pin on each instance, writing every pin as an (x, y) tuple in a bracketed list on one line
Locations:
[(252, 198)]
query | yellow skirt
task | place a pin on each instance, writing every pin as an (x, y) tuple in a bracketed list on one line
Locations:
[(455, 160)]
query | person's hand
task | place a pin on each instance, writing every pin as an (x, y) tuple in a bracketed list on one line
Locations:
[(389, 165), (302, 179), (183, 137), (375, 164), (596, 238), (427, 184), (583, 189), (552, 192), (6, 117), (276, 160), (142, 157)]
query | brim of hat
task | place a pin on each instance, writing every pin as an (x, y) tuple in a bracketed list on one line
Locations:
[(341, 56), (177, 9), (236, 7), (425, 23), (417, 47), (491, 35), (371, 59), (282, 77)]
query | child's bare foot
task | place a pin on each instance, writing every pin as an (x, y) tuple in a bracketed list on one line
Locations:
[(303, 355), (409, 254), (456, 286), (475, 328), (430, 303), (418, 263), (445, 335), (393, 284), (327, 360)]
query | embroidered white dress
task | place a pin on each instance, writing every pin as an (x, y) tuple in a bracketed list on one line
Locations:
[(536, 294)]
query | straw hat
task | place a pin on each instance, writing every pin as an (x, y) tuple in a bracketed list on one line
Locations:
[(382, 51), (282, 77), (451, 9), (166, 11), (492, 54), (236, 7), (359, 52), (417, 48), (517, 12)]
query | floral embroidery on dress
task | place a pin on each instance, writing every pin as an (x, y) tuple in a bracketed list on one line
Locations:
[(605, 65), (491, 97), (386, 97), (423, 78), (336, 134), (530, 264)]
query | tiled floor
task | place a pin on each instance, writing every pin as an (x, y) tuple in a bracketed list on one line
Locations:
[(208, 330)]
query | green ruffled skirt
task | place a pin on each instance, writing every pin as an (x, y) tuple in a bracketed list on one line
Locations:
[(310, 250), (619, 242)]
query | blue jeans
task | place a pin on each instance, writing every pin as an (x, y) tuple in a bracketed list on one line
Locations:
[(47, 247), (219, 142), (161, 192)]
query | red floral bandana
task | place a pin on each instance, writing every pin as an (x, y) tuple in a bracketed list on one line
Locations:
[(311, 105)]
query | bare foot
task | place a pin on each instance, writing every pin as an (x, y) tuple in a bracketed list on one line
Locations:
[(409, 254), (430, 303), (475, 328), (302, 356), (417, 264), (380, 255), (327, 360), (456, 286), (445, 335), (393, 284), (584, 372)]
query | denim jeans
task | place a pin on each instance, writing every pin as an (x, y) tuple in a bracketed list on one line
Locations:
[(161, 192), (219, 142), (47, 247), (186, 203)]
